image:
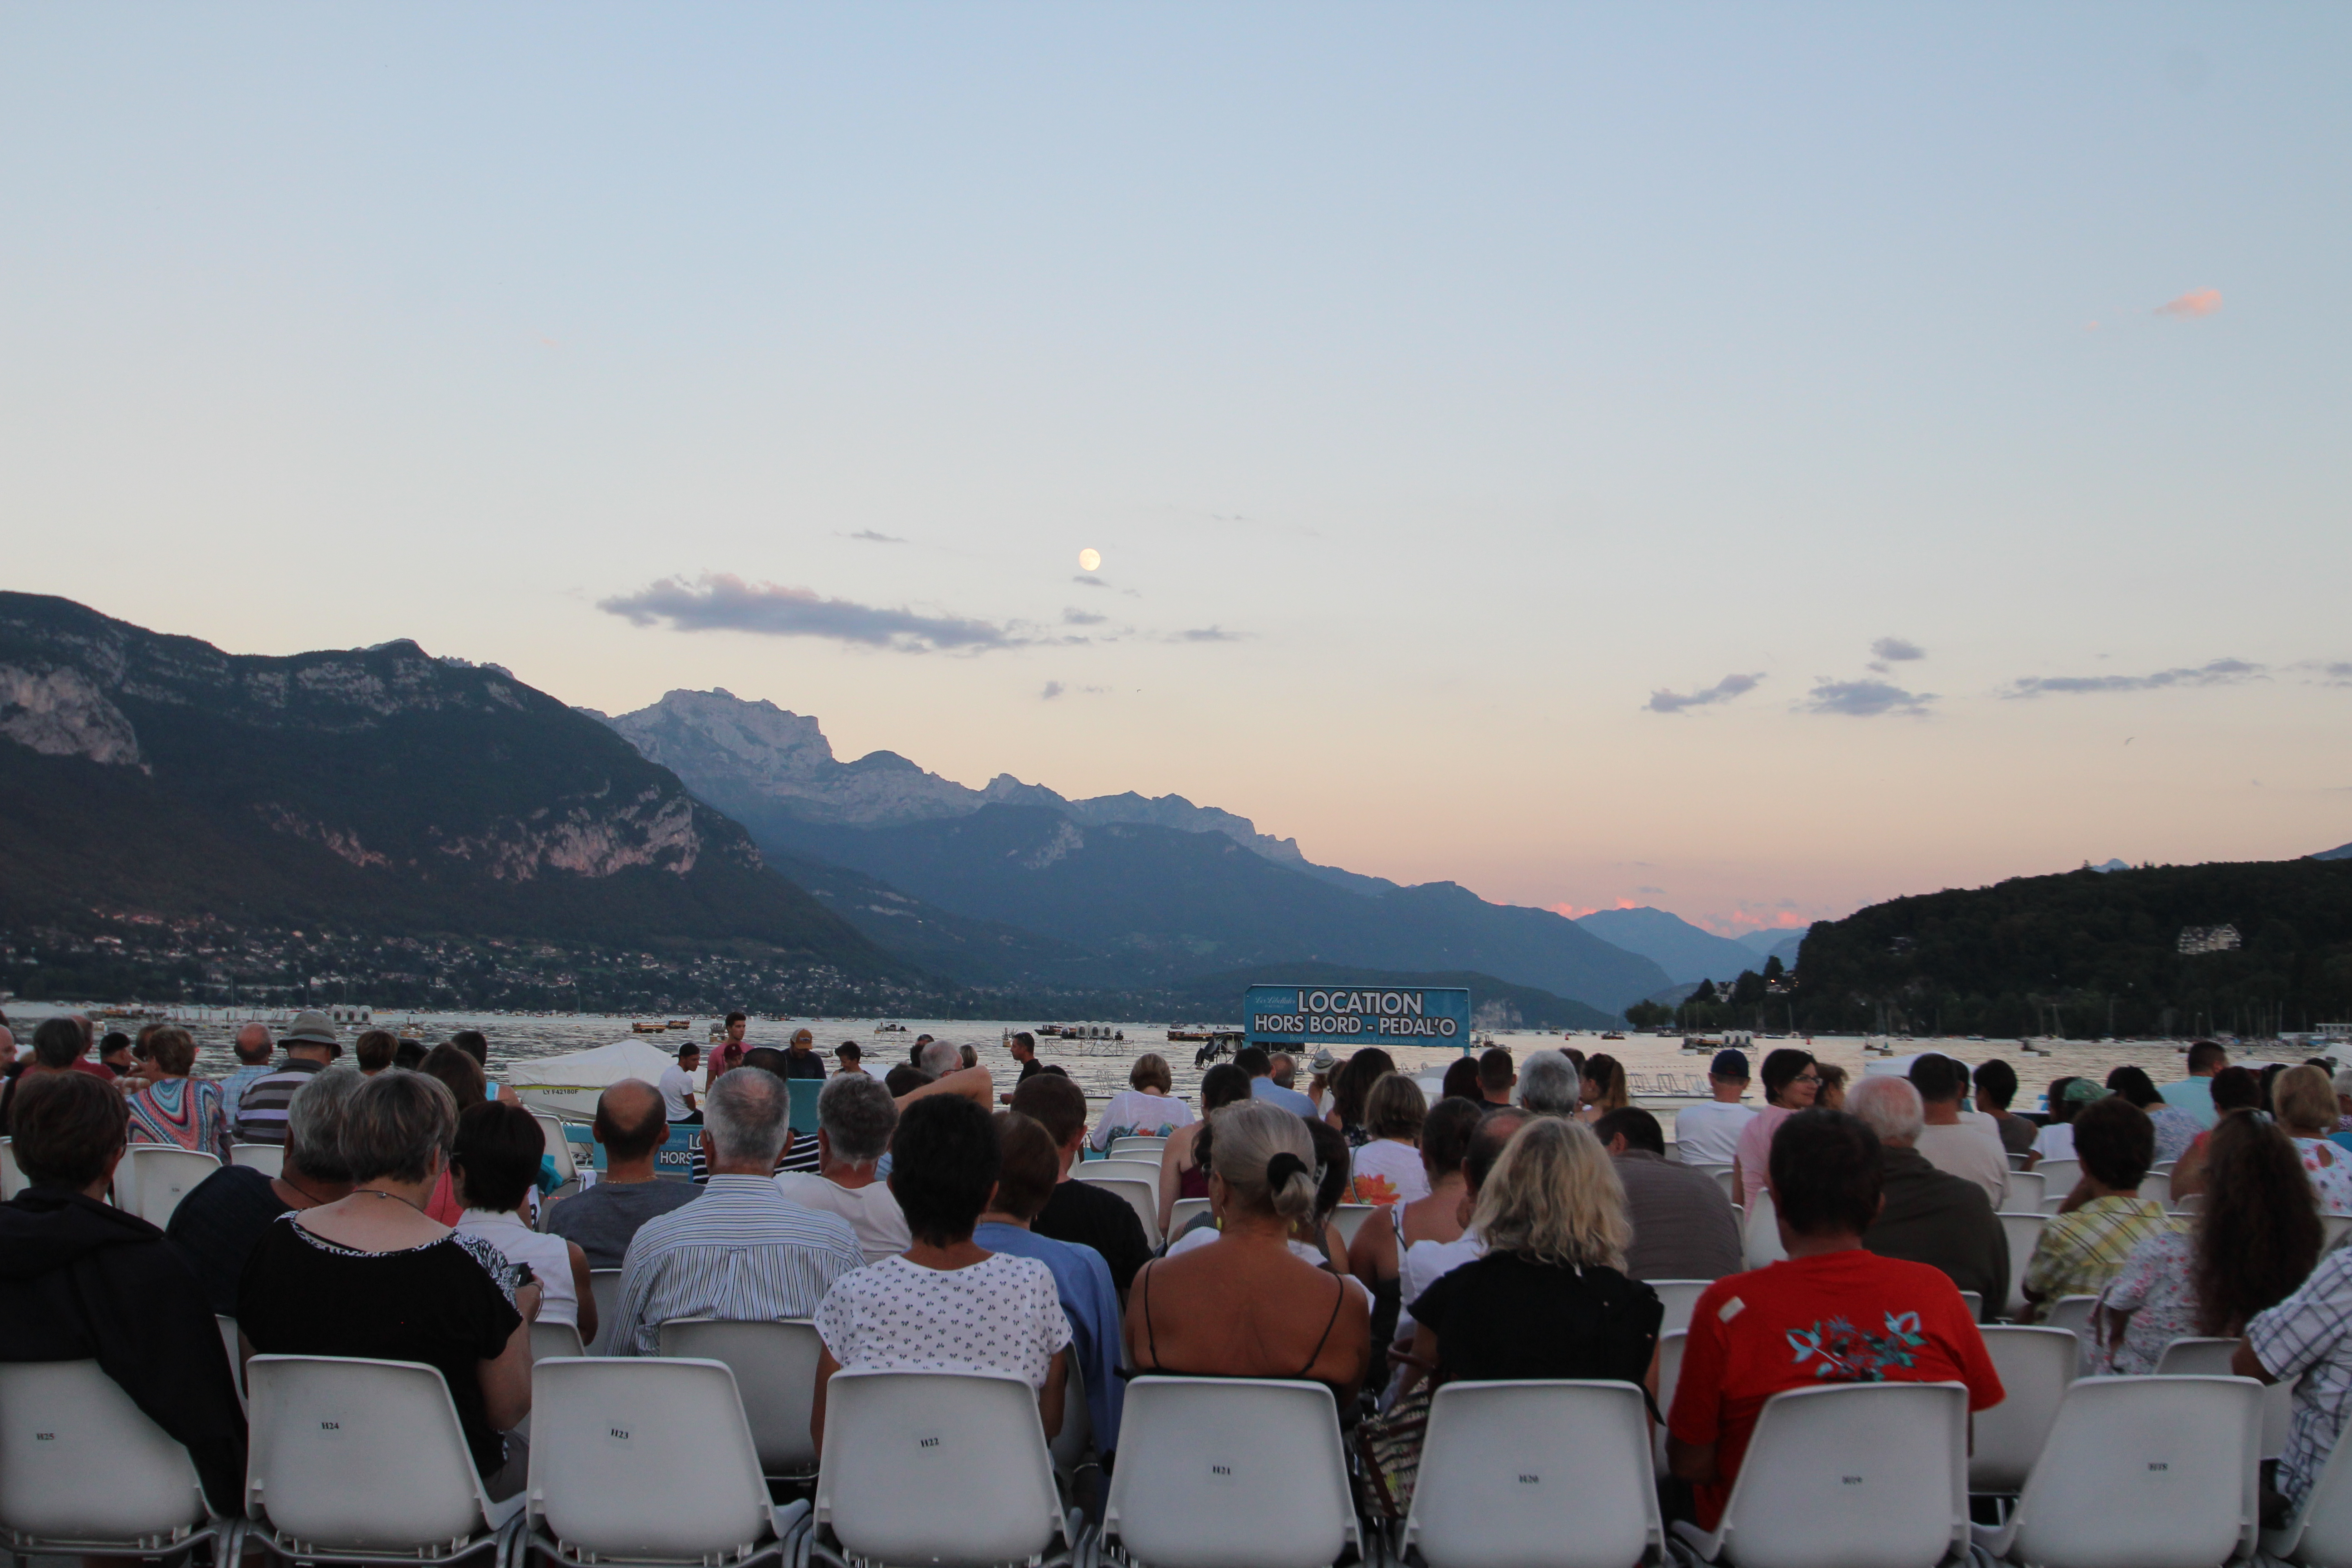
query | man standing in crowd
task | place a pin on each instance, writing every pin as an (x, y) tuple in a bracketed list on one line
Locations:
[(1930, 1215), (1949, 1142), (800, 1059), (1023, 1047), (677, 1087), (603, 1219), (1832, 1297), (1709, 1134), (855, 1118), (1496, 1075), (310, 1044), (1682, 1224), (218, 1224), (1078, 1211), (1254, 1060), (741, 1251), (2194, 1094)]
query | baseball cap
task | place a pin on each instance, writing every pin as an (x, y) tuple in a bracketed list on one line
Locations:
[(1729, 1064), (2084, 1091), (311, 1030)]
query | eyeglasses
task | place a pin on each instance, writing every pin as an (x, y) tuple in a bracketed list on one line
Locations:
[(1806, 1077)]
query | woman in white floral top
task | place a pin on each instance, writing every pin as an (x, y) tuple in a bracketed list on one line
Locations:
[(2258, 1237), (2303, 1101)]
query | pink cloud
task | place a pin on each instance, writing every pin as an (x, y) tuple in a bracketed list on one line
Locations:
[(2196, 302)]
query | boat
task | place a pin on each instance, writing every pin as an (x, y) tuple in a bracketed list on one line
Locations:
[(681, 1024), (649, 1028)]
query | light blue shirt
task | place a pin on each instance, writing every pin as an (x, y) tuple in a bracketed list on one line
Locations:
[(233, 1086), (2193, 1095), (1290, 1099), (741, 1251), (1090, 1301)]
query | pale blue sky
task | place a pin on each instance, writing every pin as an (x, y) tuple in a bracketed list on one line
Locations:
[(1473, 373)]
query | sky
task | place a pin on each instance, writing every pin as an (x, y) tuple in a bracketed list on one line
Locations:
[(1753, 461)]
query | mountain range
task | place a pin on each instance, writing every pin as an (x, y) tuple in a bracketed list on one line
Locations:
[(1014, 885), (1686, 953)]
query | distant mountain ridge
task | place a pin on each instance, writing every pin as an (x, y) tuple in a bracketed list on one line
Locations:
[(1150, 892), (1689, 953), (371, 789)]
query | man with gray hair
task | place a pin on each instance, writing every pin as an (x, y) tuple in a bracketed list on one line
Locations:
[(741, 1251), (216, 1224), (855, 1118), (1928, 1215), (1550, 1085)]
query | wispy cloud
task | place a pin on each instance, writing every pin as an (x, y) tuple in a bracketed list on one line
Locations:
[(1665, 702), (2220, 672), (1863, 699), (1206, 634), (1077, 617), (870, 536), (2331, 673), (1053, 689), (2196, 302), (721, 601), (1089, 580)]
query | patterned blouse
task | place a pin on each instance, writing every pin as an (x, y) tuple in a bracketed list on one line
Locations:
[(181, 1112), (2080, 1252), (2155, 1289), (2330, 1170)]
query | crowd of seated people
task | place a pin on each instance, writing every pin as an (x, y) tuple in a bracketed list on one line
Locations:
[(1682, 1224), (1387, 1168), (2101, 1221), (1376, 1255), (496, 1161), (1028, 1169), (1929, 1214), (1183, 1174), (216, 1224), (856, 1116), (631, 1126)]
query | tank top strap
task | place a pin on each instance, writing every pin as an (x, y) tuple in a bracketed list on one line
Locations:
[(1316, 1354)]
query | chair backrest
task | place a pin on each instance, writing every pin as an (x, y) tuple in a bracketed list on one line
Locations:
[(2321, 1533), (2023, 1232), (774, 1365), (153, 1179), (1138, 1147), (1853, 1475), (2058, 1179), (559, 1147), (2156, 1188), (2025, 1192), (2333, 1229), (632, 1457), (2073, 1313), (227, 1326), (358, 1456), (2193, 1203), (551, 1339), (1073, 1445), (1141, 1196), (2158, 1472), (1350, 1218), (270, 1159), (1678, 1296), (1974, 1302), (1670, 1373), (1116, 1170), (1181, 1215), (12, 1180), (1760, 1233), (935, 1466), (1556, 1473), (1725, 1179), (79, 1461), (2036, 1366), (604, 1285), (1223, 1471), (2193, 1357)]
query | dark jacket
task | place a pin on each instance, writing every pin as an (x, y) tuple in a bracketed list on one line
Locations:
[(1944, 1221), (80, 1281)]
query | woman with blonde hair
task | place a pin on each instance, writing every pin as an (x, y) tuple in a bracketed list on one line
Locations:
[(1549, 1298), (1246, 1304), (2303, 1103)]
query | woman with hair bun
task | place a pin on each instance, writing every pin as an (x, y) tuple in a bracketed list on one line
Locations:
[(1246, 1304)]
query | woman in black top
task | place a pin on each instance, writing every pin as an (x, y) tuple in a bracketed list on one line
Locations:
[(373, 1276), (1549, 1298)]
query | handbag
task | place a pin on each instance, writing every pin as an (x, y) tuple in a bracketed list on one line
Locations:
[(1388, 1449)]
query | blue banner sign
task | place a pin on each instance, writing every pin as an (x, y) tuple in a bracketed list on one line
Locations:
[(1357, 1016)]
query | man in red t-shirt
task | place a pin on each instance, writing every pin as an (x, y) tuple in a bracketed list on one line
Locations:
[(1832, 1313)]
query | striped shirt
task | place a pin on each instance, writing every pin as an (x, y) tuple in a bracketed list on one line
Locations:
[(235, 1084), (261, 1109), (2306, 1340), (2080, 1252), (741, 1251)]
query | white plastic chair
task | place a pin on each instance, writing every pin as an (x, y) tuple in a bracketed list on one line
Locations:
[(640, 1460), (2147, 1472), (1760, 1233), (2193, 1203), (937, 1468), (1678, 1296), (153, 1178), (1141, 1196), (1350, 1218), (1974, 1302), (2023, 1232), (1216, 1473), (1551, 1472), (549, 1340), (559, 1147), (227, 1326), (1073, 1447), (1670, 1373), (270, 1159), (2333, 1229), (604, 1285), (1116, 1170), (84, 1471), (774, 1365), (2036, 1366), (2058, 1179), (1138, 1147), (2319, 1535), (1181, 1215), (2073, 1313), (2157, 1186), (1848, 1475), (2025, 1192), (1722, 1174), (2191, 1356), (351, 1460), (12, 1179)]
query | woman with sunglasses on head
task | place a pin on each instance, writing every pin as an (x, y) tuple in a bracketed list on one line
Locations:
[(1791, 1081)]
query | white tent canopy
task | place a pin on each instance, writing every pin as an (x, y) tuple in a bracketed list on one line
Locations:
[(573, 1082)]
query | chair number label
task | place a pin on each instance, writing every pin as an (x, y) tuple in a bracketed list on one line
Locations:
[(1530, 1480), (44, 1437), (1221, 1472), (1850, 1480), (620, 1433), (2157, 1465), (927, 1442)]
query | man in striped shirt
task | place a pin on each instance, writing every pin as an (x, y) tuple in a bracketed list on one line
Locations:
[(741, 1251), (311, 1044)]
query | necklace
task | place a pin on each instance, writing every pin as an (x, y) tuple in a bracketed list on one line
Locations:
[(293, 1187), (379, 1193)]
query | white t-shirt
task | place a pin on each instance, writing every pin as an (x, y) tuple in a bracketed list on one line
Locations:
[(1132, 1113), (1709, 1135), (1974, 1152), (550, 1258), (870, 1210), (2055, 1141), (675, 1084), (1001, 1314), (1389, 1172)]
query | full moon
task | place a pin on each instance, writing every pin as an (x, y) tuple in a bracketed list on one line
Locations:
[(1090, 560)]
